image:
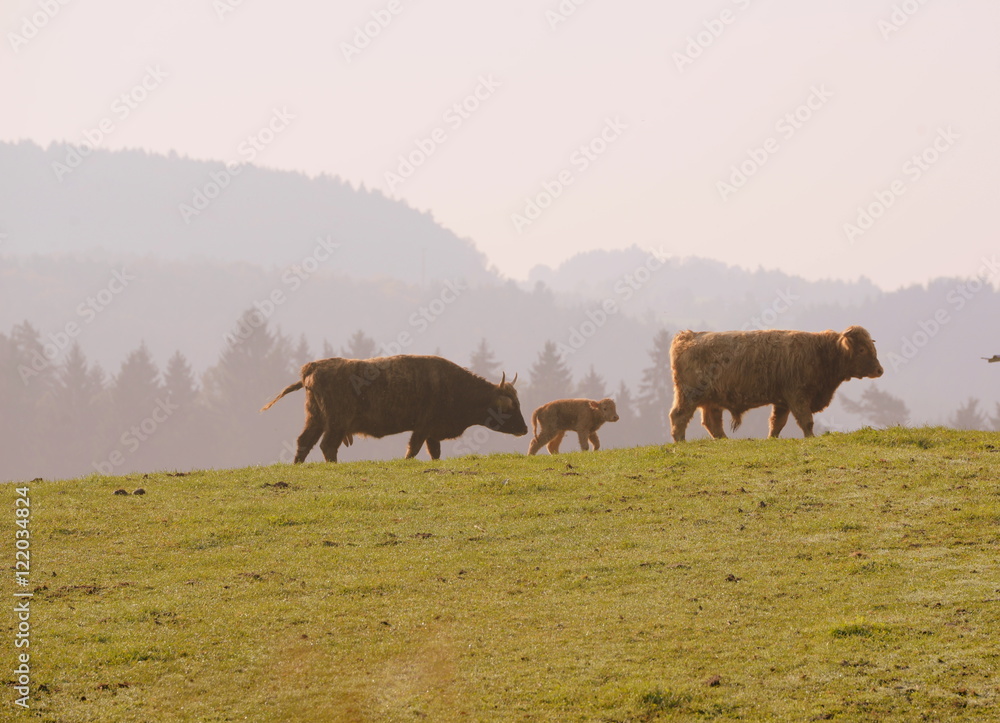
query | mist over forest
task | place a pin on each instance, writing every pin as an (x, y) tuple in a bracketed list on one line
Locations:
[(138, 334)]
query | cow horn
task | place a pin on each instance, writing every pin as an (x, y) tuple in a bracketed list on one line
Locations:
[(503, 378), (514, 380)]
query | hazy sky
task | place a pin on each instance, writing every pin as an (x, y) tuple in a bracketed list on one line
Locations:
[(624, 122)]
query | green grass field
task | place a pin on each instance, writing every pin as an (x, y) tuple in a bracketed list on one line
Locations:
[(848, 577)]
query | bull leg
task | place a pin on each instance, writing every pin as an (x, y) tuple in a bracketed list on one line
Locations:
[(331, 443), (804, 418), (553, 446), (779, 415), (595, 441), (434, 448), (583, 440), (680, 416), (711, 419), (308, 438), (416, 442)]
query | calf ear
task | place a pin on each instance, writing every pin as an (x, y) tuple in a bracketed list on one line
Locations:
[(504, 403), (593, 404)]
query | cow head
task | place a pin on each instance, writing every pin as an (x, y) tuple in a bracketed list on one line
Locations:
[(606, 409), (507, 417), (859, 348)]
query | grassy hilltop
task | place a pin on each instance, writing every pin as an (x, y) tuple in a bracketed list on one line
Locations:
[(847, 577)]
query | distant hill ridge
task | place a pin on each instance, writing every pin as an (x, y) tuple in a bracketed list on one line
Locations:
[(68, 198)]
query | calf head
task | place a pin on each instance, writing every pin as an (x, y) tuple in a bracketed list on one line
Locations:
[(605, 409), (859, 348), (506, 410)]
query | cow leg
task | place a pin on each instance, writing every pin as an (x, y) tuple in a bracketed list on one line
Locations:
[(416, 442), (711, 419), (331, 443), (680, 416), (553, 446), (779, 415), (308, 438), (540, 441), (595, 441), (804, 418), (434, 448)]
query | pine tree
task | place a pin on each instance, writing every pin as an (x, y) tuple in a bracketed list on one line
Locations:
[(137, 416), (137, 387), (656, 391), (35, 360), (624, 403), (80, 414), (179, 383), (328, 350), (550, 377), (968, 416), (30, 380), (880, 408), (188, 437), (249, 372), (360, 346), (302, 355), (592, 386), (484, 362)]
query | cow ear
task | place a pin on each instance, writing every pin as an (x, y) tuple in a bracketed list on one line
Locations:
[(852, 338), (504, 403)]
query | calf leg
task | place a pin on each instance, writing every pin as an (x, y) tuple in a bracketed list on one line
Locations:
[(711, 419), (680, 415), (416, 442), (434, 448), (553, 446), (779, 415), (595, 441), (584, 445), (542, 439)]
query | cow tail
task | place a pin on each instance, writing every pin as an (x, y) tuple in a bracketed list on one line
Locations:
[(737, 420), (288, 390), (534, 423)]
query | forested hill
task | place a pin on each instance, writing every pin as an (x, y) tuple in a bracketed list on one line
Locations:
[(69, 199)]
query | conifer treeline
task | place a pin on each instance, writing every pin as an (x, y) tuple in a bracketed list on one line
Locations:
[(65, 417)]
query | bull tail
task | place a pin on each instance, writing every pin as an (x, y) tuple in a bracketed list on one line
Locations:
[(288, 390)]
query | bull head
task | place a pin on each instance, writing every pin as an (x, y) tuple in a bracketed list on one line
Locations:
[(507, 414)]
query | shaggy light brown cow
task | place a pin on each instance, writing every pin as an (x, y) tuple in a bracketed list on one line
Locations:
[(583, 416), (796, 371)]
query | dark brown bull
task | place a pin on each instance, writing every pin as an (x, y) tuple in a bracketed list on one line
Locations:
[(429, 396), (796, 371)]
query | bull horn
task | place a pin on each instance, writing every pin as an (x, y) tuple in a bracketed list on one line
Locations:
[(503, 378)]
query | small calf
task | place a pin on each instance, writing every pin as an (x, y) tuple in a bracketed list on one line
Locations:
[(583, 416)]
